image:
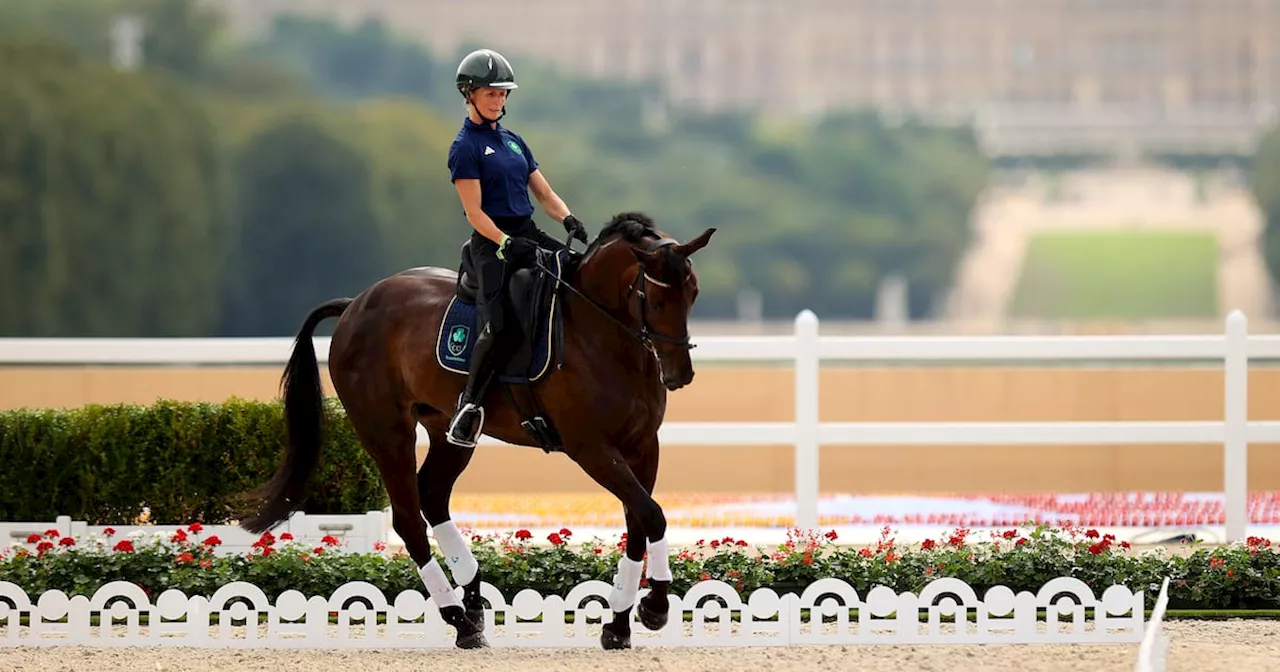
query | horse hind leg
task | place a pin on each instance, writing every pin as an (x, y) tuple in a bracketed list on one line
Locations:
[(391, 441), (436, 478)]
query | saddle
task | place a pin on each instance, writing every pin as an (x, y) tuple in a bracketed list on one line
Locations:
[(538, 326)]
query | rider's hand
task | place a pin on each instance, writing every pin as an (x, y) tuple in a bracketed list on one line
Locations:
[(572, 225), (516, 249)]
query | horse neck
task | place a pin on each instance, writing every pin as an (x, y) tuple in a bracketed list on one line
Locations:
[(599, 278)]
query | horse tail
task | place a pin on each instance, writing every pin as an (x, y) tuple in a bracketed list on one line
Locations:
[(304, 416)]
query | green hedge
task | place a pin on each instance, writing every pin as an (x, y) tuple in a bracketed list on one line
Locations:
[(186, 461)]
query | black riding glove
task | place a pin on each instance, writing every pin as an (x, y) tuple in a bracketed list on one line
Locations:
[(516, 250), (572, 225)]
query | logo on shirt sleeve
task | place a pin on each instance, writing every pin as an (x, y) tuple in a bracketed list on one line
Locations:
[(515, 147), (488, 150)]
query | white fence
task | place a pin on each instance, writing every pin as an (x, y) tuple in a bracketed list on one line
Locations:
[(408, 620), (807, 350)]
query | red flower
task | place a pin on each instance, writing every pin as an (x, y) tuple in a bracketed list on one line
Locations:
[(1021, 542), (741, 542), (44, 546), (52, 533), (524, 535), (33, 538), (865, 552), (927, 544), (1214, 562), (109, 532), (286, 537), (184, 558), (1092, 534), (206, 563), (831, 535), (1096, 548), (330, 540), (195, 528), (124, 546), (212, 541), (318, 550), (179, 537), (1009, 534), (715, 543), (564, 532), (67, 541), (555, 539), (267, 550), (379, 545)]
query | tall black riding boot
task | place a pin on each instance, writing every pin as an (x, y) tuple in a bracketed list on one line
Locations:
[(468, 420)]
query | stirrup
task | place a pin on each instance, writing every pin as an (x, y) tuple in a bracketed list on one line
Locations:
[(469, 441)]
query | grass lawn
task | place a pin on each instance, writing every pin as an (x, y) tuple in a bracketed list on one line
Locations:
[(1119, 274)]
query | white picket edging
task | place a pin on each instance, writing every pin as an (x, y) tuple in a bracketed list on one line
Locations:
[(296, 621), (806, 350)]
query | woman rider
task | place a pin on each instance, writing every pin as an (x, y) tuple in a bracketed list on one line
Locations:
[(493, 170)]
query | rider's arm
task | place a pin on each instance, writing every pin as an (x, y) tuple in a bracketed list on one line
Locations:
[(469, 194), (550, 201)]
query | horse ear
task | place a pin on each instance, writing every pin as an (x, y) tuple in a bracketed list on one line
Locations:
[(696, 244)]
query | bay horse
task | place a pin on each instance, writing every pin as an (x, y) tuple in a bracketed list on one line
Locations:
[(625, 344)]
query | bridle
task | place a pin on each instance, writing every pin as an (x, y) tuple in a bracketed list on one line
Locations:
[(646, 335)]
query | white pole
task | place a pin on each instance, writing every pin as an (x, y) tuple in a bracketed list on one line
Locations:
[(806, 394), (1235, 466)]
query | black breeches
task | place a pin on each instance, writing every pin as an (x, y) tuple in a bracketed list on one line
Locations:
[(492, 302)]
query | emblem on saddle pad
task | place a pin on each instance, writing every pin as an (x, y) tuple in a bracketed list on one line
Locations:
[(458, 340)]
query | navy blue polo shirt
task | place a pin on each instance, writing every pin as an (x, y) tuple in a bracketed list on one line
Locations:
[(501, 160)]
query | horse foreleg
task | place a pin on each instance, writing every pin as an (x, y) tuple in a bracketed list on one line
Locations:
[(645, 523), (436, 478), (653, 609)]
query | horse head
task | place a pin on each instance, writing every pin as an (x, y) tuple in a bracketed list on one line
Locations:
[(645, 280)]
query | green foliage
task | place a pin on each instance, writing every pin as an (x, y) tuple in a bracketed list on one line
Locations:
[(305, 222), (184, 461), (174, 161), (105, 232), (1236, 576), (1123, 274), (1265, 184)]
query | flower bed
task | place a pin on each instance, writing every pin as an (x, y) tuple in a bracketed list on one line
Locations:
[(1238, 576)]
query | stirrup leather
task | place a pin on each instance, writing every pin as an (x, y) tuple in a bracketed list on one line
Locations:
[(468, 441)]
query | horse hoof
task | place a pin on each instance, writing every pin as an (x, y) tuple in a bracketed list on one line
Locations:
[(653, 619), (472, 640), (612, 641)]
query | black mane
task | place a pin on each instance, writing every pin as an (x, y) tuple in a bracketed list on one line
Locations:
[(632, 226)]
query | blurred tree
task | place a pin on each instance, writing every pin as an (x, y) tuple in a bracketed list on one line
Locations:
[(307, 228), (1265, 183), (102, 230)]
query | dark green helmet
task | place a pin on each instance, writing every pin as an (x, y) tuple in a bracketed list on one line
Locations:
[(484, 67)]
